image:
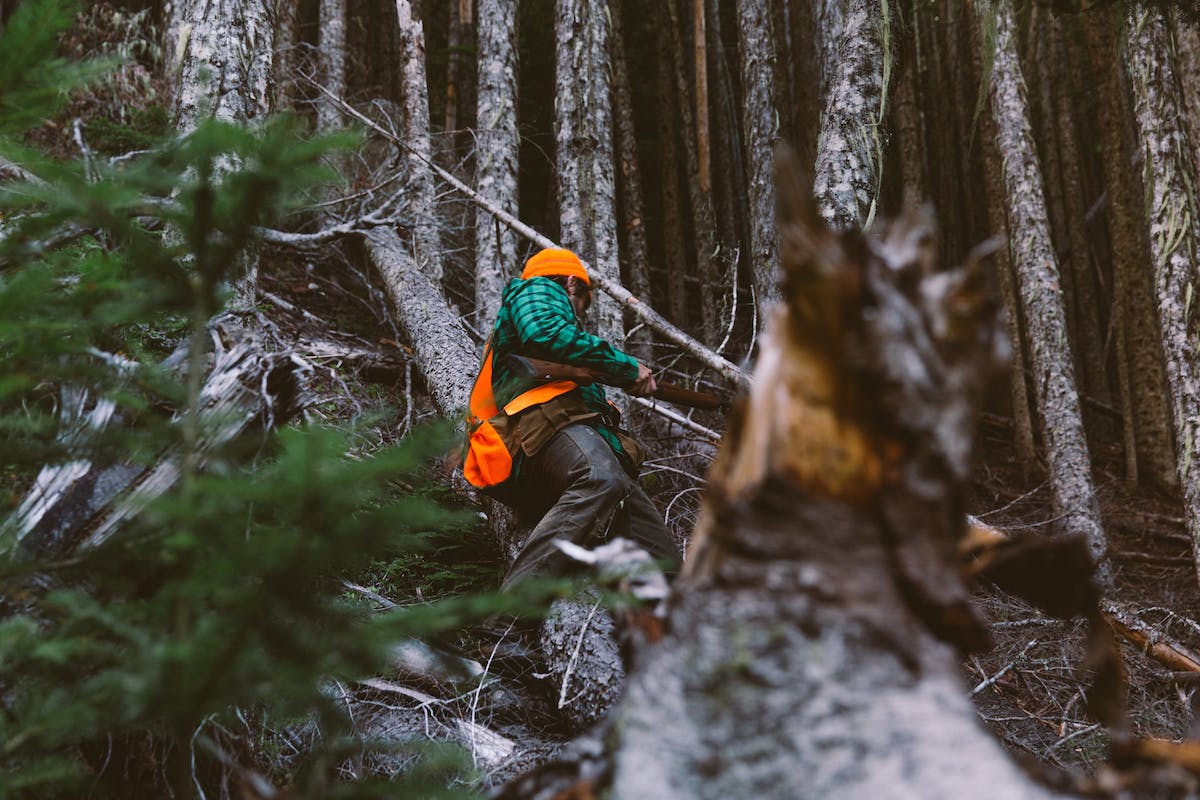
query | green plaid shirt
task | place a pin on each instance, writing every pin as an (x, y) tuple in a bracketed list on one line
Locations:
[(536, 319)]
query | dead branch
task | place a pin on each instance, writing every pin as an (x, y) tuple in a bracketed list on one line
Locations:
[(1172, 655)]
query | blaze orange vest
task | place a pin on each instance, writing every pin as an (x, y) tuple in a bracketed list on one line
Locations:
[(489, 460)]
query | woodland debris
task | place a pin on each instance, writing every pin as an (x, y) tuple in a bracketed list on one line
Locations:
[(248, 388)]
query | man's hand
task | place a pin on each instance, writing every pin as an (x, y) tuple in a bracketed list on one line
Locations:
[(645, 385)]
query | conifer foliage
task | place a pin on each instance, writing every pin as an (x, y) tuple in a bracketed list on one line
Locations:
[(142, 666)]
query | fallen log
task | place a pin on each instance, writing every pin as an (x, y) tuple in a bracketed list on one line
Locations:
[(1126, 624), (249, 389)]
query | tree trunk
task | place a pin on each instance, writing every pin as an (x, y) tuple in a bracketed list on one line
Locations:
[(496, 158), (1149, 447), (454, 44), (783, 68), (81, 504), (907, 115), (441, 345), (849, 152), (729, 166), (700, 70), (1023, 438), (668, 164), (1073, 496), (1187, 49), (794, 663), (287, 56), (1090, 316), (1174, 235), (331, 62), (637, 267), (584, 152), (828, 26), (757, 54), (704, 221), (225, 67), (224, 70), (427, 238)]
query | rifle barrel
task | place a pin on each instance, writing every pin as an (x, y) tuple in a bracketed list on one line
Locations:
[(671, 393)]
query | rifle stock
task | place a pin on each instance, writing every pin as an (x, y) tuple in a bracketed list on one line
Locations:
[(540, 369)]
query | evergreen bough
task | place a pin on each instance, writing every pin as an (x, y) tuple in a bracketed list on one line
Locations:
[(218, 605)]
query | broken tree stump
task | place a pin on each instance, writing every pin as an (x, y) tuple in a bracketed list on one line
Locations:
[(813, 639)]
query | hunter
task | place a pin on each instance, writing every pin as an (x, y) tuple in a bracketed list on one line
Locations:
[(552, 449)]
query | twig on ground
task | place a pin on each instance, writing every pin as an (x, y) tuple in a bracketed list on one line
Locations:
[(1005, 669)]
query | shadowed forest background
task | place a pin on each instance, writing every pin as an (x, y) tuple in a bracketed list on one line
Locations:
[(250, 253)]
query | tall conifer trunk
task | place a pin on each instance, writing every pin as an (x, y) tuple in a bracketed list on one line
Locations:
[(496, 158), (850, 150), (1174, 234), (1146, 413), (636, 260), (584, 148), (697, 176), (757, 52), (1040, 288), (427, 239)]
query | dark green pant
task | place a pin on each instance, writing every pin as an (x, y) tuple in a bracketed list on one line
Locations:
[(577, 489)]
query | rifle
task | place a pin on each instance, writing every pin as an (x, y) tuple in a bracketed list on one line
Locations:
[(537, 369)]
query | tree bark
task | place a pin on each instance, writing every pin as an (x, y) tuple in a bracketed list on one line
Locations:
[(81, 504), (637, 267), (1174, 235), (286, 64), (757, 54), (460, 20), (704, 222), (1147, 428), (441, 345), (427, 239), (668, 181), (729, 166), (225, 66), (331, 62), (907, 115), (700, 70), (497, 153), (225, 52), (1187, 49), (849, 152), (828, 26), (584, 151), (1090, 309), (1023, 438), (1072, 493)]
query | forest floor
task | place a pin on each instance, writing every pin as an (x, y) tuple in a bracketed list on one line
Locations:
[(1036, 705)]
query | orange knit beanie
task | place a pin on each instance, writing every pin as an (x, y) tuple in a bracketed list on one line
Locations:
[(555, 261)]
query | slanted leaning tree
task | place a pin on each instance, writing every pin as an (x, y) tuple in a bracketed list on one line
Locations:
[(1072, 492)]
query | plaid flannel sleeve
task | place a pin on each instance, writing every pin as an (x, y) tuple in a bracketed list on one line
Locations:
[(546, 327)]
